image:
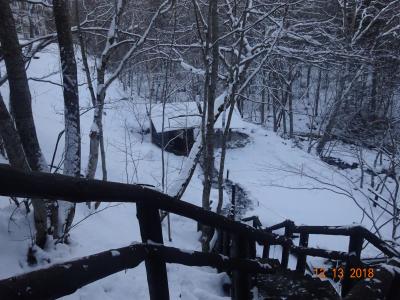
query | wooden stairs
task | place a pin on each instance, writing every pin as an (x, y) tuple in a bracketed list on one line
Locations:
[(234, 249)]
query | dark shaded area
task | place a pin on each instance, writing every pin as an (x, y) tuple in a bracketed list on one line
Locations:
[(293, 286), (337, 162), (178, 142)]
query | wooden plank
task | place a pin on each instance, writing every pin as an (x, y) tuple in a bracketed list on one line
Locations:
[(355, 247), (277, 226), (63, 279), (78, 190), (383, 285), (347, 231), (327, 230), (294, 286), (378, 243), (266, 249), (286, 248), (156, 270), (226, 241), (302, 257), (241, 281), (337, 255)]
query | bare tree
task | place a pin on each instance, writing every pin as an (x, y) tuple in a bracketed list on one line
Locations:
[(17, 159), (20, 103), (111, 45), (72, 161)]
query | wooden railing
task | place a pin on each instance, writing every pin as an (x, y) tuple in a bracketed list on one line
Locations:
[(357, 235), (148, 201), (68, 277)]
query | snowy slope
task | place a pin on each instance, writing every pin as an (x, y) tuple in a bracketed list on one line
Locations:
[(129, 159), (286, 182), (264, 168)]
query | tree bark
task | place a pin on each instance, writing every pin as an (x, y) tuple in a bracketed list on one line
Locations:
[(21, 106), (72, 161), (340, 95), (264, 83), (20, 97), (317, 92), (210, 91), (17, 159)]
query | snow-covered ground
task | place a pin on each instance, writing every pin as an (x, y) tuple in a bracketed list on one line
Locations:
[(275, 173), (130, 159)]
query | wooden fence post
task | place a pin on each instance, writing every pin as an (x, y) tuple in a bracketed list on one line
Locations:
[(302, 258), (151, 231), (241, 281), (355, 247), (286, 248), (266, 248)]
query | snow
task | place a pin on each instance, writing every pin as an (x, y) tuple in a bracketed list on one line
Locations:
[(113, 225), (94, 128), (181, 115), (192, 69), (276, 174), (285, 182)]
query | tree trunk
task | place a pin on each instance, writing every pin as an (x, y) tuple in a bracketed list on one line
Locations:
[(263, 99), (95, 138), (20, 103), (210, 91), (289, 96), (2, 149), (373, 103), (20, 97), (274, 95), (72, 161), (290, 103), (308, 83), (317, 96), (84, 56), (225, 134), (17, 159), (340, 95)]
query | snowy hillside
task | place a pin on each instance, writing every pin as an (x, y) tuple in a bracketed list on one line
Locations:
[(271, 129), (268, 168)]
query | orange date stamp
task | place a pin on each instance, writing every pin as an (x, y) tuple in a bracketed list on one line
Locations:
[(339, 273)]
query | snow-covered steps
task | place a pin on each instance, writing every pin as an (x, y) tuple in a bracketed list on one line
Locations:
[(292, 285)]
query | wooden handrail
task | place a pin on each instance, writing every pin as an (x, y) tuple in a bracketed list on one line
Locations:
[(338, 255), (280, 225), (78, 190), (326, 230), (348, 231), (65, 278), (378, 243), (340, 230)]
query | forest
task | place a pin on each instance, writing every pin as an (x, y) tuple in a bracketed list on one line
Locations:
[(274, 111)]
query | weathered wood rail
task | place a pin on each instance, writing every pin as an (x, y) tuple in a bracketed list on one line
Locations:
[(240, 260), (65, 278), (357, 235), (148, 201)]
